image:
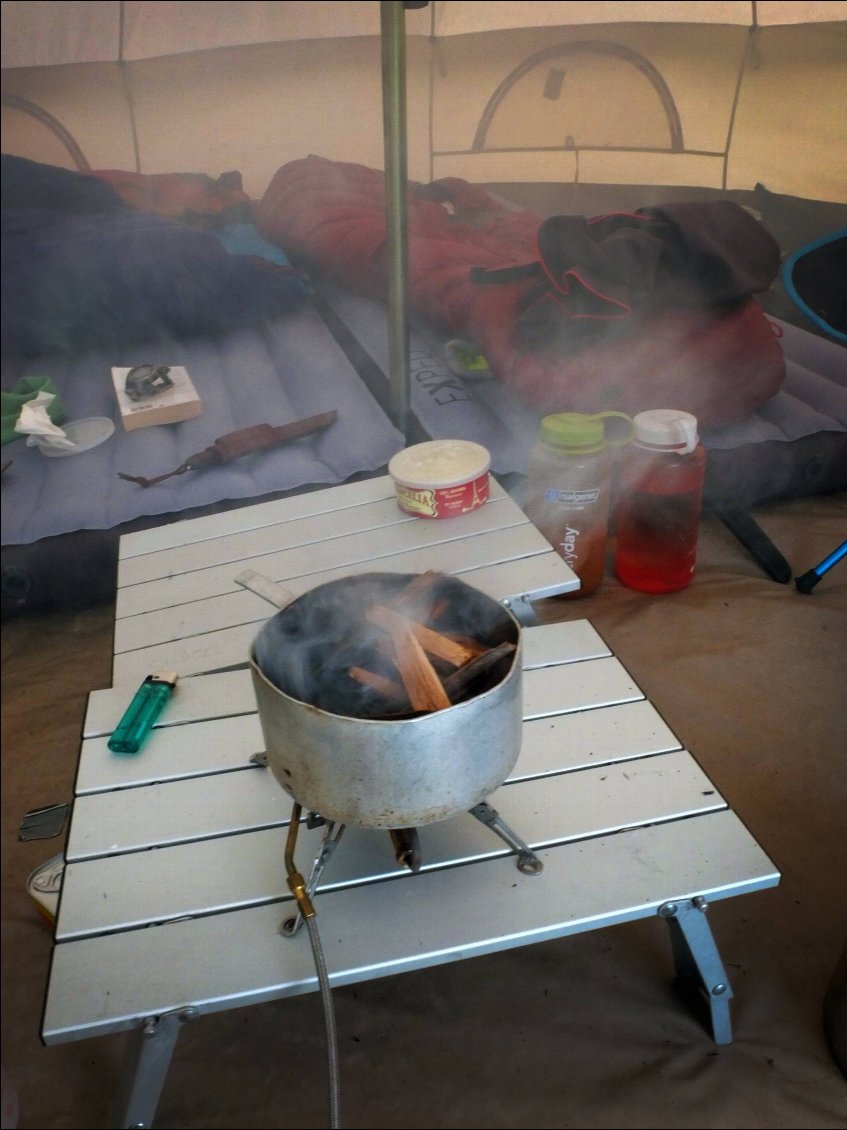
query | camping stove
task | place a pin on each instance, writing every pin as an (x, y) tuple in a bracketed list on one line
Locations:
[(406, 844), (388, 701)]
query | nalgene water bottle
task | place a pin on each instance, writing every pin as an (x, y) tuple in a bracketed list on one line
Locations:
[(568, 489), (659, 502)]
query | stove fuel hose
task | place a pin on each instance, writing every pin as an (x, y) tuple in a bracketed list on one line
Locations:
[(297, 884)]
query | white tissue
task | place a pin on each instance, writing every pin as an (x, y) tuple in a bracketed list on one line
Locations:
[(37, 426)]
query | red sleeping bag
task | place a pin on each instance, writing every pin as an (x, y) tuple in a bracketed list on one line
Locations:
[(630, 311)]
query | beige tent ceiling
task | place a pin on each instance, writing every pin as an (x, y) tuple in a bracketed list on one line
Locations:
[(37, 33), (711, 94)]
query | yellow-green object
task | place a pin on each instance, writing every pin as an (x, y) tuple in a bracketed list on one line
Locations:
[(577, 431), (465, 360), (27, 389)]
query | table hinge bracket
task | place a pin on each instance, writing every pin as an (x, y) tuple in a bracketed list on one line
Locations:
[(147, 1056), (700, 974)]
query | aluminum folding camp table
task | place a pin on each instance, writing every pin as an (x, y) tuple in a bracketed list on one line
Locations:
[(623, 819)]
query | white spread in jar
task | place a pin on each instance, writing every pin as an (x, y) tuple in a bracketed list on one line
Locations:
[(442, 478)]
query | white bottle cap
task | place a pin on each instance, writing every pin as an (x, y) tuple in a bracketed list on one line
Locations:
[(666, 429)]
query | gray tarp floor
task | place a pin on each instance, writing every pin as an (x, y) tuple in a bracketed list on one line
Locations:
[(583, 1032)]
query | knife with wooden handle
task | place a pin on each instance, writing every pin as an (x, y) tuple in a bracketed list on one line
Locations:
[(246, 441)]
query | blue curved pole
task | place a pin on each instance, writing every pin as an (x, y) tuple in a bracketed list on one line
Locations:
[(808, 581)]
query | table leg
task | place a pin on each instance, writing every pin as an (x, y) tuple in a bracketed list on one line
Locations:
[(700, 972), (147, 1057)]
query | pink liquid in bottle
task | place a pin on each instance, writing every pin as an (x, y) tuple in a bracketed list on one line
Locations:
[(660, 500)]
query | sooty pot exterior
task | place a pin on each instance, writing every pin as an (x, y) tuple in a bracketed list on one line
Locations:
[(386, 773)]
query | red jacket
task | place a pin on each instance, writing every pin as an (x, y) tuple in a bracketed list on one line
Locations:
[(635, 321)]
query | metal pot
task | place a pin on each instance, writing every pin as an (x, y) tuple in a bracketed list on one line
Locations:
[(377, 772)]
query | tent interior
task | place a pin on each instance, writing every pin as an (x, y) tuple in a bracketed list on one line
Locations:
[(264, 127), (656, 94), (230, 187)]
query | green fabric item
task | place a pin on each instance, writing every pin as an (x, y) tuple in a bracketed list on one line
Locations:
[(13, 400)]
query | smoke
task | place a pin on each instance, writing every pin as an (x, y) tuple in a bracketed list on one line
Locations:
[(308, 649)]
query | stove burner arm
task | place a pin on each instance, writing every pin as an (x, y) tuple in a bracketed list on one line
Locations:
[(528, 861)]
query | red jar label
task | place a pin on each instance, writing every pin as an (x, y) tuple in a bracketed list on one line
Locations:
[(443, 502)]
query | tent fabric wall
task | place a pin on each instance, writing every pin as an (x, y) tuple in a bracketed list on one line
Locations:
[(210, 87), (41, 32), (792, 142)]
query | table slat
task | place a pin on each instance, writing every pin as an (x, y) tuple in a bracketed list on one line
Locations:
[(195, 700), (244, 519), (171, 753)]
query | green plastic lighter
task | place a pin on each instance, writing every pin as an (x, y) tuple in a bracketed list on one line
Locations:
[(148, 703)]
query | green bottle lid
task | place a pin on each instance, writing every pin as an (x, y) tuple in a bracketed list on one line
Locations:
[(578, 431)]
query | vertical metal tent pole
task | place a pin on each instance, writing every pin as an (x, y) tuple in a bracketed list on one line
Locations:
[(393, 33)]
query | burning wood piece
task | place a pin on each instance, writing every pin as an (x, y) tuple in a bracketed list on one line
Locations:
[(436, 668), (422, 684), (419, 603), (388, 688), (434, 643), (456, 684), (472, 646), (419, 587), (412, 601), (418, 600)]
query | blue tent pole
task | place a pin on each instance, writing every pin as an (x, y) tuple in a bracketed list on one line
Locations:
[(808, 581)]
